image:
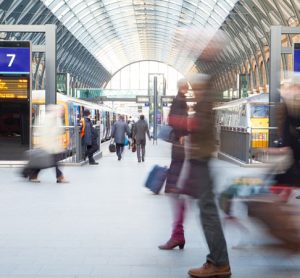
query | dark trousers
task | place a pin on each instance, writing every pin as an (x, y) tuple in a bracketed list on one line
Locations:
[(201, 186), (141, 148), (90, 150), (119, 149), (177, 160), (33, 173)]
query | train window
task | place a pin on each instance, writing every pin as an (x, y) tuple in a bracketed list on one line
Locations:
[(259, 111)]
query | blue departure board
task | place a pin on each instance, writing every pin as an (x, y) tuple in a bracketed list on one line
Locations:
[(15, 60), (297, 57)]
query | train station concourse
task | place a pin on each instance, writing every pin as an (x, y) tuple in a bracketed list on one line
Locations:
[(105, 223), (150, 138)]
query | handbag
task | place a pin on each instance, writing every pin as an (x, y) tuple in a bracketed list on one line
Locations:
[(112, 146), (166, 134), (40, 159), (133, 148)]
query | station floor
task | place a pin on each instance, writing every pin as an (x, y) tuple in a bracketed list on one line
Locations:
[(104, 223)]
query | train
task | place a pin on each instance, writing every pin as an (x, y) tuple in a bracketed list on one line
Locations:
[(251, 114), (102, 116)]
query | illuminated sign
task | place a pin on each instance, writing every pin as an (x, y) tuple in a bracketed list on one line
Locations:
[(14, 60), (297, 57), (166, 99), (142, 99), (12, 88)]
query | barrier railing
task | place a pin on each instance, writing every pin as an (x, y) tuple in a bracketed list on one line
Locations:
[(235, 142), (260, 139)]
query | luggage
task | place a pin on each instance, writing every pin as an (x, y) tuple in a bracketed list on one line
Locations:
[(133, 148), (112, 147), (281, 219), (166, 134), (39, 159), (126, 142), (156, 178)]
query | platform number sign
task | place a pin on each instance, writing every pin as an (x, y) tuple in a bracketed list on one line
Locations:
[(15, 59), (297, 57)]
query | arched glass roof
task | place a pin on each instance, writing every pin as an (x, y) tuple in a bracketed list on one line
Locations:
[(119, 32)]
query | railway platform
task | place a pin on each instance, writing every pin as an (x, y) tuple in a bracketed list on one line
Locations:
[(104, 223)]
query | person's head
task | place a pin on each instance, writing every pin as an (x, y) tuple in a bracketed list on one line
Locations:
[(182, 86), (290, 92), (56, 109), (200, 84), (121, 118), (86, 113), (142, 117)]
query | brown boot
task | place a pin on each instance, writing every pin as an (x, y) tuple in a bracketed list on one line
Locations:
[(210, 270), (61, 179)]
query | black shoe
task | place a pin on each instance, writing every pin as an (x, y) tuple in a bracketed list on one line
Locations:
[(139, 161), (93, 163), (143, 159), (298, 197)]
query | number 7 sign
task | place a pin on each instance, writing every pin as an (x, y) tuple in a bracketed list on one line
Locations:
[(12, 56)]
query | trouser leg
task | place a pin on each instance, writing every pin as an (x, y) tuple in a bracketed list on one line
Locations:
[(143, 145), (118, 150), (176, 165), (90, 153), (209, 217), (179, 213), (58, 172), (138, 152), (57, 158)]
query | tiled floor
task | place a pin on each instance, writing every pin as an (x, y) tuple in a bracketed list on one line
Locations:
[(104, 223)]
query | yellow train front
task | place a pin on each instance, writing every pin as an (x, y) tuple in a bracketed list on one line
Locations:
[(249, 116), (102, 117)]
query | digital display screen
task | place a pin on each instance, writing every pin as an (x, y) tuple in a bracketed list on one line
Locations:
[(14, 88), (297, 57), (14, 60), (259, 111)]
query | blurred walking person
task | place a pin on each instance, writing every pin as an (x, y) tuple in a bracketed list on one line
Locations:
[(49, 133), (119, 130), (289, 130), (139, 131), (178, 121), (199, 182), (89, 137)]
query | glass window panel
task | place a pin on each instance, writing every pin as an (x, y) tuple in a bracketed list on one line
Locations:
[(125, 78), (135, 76), (57, 6)]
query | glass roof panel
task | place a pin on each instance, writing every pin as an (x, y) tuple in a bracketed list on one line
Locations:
[(118, 32)]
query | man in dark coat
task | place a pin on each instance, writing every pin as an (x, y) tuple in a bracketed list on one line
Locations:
[(89, 137), (139, 131), (119, 129)]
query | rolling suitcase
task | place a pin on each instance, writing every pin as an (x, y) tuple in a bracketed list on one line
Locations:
[(156, 178)]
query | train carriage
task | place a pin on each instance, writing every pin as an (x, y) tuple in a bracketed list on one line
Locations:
[(251, 114)]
